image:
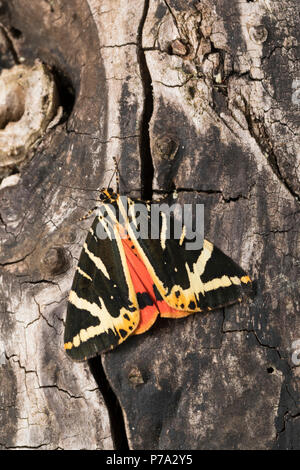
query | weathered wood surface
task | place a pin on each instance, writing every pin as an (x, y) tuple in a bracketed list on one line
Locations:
[(223, 130)]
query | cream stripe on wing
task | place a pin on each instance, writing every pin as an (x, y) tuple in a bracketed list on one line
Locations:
[(106, 321), (194, 275), (104, 224), (124, 264), (223, 281), (97, 261), (131, 212), (183, 233), (83, 273), (163, 232), (120, 232), (93, 234)]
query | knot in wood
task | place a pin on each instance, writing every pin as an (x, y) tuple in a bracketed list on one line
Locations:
[(135, 376), (56, 260), (166, 147), (258, 34), (28, 102), (178, 48)]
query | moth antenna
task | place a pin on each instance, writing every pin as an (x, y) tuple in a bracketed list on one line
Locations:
[(117, 172), (119, 178), (111, 178), (87, 215)]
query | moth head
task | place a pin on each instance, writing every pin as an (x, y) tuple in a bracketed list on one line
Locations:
[(107, 194)]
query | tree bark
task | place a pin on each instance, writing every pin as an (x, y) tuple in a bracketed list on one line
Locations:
[(197, 96)]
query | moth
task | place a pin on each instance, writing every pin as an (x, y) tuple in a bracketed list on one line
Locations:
[(123, 282)]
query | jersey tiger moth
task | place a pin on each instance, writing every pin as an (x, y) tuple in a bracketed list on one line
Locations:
[(122, 282)]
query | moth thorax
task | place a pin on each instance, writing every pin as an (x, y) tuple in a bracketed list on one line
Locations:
[(107, 194)]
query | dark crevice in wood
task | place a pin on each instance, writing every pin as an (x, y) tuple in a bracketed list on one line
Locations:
[(173, 190), (15, 32), (65, 91), (147, 170), (10, 43), (275, 167), (116, 419), (215, 50), (15, 171)]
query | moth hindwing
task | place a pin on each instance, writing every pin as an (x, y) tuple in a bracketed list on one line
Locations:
[(124, 280)]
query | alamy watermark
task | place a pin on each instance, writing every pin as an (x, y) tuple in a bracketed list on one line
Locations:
[(155, 221)]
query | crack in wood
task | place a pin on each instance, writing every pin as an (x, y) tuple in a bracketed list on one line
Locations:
[(264, 142), (147, 169), (117, 425), (119, 435), (10, 44), (8, 263)]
